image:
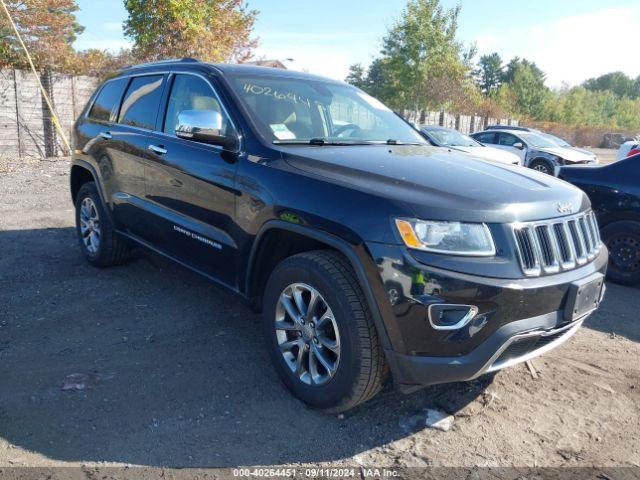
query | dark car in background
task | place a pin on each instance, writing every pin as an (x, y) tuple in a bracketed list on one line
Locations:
[(366, 249), (535, 149), (614, 191)]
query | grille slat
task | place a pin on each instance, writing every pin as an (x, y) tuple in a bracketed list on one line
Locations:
[(549, 247)]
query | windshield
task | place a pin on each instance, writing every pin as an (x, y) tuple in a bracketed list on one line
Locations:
[(290, 110), (452, 138), (557, 140), (536, 140)]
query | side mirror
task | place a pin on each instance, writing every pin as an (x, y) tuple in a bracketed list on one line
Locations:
[(204, 126), (519, 145)]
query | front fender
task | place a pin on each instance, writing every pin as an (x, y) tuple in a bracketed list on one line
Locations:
[(364, 267)]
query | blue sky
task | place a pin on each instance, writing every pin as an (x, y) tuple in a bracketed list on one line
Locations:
[(570, 39)]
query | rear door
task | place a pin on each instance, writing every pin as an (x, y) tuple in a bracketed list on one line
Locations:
[(190, 185), (128, 140), (488, 138), (94, 133), (506, 141)]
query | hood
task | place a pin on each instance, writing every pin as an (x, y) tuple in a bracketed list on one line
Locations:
[(439, 184), (586, 152), (490, 153), (568, 154)]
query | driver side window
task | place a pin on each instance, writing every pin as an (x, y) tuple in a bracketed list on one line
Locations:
[(508, 140), (189, 92)]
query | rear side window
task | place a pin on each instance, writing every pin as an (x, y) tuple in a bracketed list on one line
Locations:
[(485, 137), (105, 108), (140, 104)]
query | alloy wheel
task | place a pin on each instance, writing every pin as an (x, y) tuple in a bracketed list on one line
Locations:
[(307, 334), (541, 168), (90, 225)]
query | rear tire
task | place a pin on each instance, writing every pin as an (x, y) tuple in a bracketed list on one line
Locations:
[(623, 241), (347, 342), (100, 244)]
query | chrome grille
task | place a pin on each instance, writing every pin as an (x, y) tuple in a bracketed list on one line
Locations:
[(555, 245)]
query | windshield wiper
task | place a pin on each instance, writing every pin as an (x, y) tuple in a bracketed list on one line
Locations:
[(320, 142), (323, 141), (313, 141), (391, 141)]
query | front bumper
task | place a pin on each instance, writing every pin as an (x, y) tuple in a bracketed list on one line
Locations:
[(517, 318), (513, 343)]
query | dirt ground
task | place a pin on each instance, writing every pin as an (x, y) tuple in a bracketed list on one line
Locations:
[(149, 364)]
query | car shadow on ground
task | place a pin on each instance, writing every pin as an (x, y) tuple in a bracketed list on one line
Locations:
[(150, 364), (618, 313)]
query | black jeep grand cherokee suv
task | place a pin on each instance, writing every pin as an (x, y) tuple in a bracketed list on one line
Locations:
[(367, 250)]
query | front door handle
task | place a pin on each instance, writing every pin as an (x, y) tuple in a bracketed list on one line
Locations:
[(158, 150), (106, 135)]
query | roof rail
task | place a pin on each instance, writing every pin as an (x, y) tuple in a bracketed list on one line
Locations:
[(163, 62)]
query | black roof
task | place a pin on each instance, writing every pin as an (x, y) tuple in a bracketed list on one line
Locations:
[(229, 69), (510, 127), (435, 127)]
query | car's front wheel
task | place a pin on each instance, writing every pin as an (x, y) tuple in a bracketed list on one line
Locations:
[(99, 242), (542, 166), (320, 334), (623, 241)]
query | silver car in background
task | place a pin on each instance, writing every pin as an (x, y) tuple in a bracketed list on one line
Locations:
[(536, 150), (560, 142), (455, 140)]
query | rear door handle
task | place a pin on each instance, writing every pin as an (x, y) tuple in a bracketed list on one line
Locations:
[(106, 135), (158, 150)]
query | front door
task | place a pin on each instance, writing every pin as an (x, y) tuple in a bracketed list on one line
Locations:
[(190, 186), (506, 141)]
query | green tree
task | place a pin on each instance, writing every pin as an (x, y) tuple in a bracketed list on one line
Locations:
[(48, 28), (529, 91), (515, 63), (616, 82), (422, 49), (489, 73), (210, 30), (421, 63), (357, 76)]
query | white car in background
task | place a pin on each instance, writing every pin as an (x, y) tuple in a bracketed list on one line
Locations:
[(628, 148), (535, 150), (561, 142), (453, 139)]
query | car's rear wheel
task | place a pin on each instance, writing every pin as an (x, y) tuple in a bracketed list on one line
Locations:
[(623, 241), (320, 334), (99, 243), (542, 166)]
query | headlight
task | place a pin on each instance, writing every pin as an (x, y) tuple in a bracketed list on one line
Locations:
[(454, 238)]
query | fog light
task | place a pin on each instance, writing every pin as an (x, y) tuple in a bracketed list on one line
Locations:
[(443, 316)]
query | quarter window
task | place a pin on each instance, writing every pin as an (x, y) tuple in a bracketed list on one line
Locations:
[(105, 108), (140, 105), (191, 93)]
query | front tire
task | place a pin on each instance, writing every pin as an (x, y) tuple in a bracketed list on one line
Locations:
[(623, 241), (320, 334), (542, 166), (99, 243)]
